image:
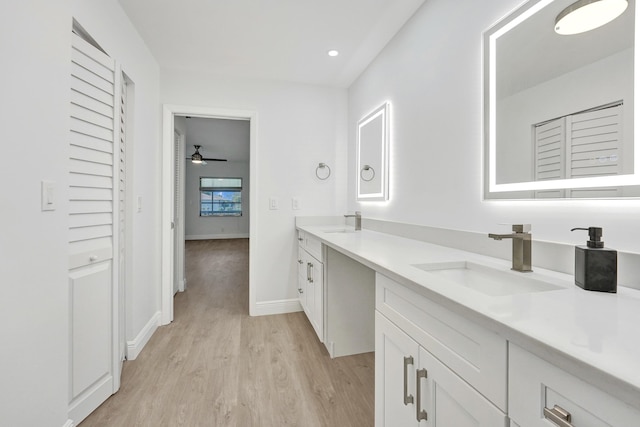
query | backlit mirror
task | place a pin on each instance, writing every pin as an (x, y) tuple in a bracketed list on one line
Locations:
[(559, 109), (372, 163)]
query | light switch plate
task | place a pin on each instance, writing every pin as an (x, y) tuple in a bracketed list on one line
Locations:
[(48, 196), (274, 203)]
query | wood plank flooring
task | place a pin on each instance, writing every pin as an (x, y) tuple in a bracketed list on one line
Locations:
[(216, 366)]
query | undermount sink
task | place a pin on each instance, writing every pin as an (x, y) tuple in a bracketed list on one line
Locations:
[(487, 280), (342, 230)]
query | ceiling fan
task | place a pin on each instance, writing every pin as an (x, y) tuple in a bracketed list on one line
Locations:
[(198, 159)]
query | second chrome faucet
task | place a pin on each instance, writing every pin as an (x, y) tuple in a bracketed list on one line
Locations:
[(358, 217), (520, 246)]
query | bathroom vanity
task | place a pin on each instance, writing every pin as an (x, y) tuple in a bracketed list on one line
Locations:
[(462, 340)]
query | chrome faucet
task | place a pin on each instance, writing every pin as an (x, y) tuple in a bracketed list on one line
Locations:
[(358, 217), (520, 246)]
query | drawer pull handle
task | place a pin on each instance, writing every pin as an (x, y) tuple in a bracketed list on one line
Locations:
[(408, 398), (421, 414), (300, 239), (558, 416)]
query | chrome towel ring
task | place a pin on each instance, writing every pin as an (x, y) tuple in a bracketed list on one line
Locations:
[(367, 168), (323, 166)]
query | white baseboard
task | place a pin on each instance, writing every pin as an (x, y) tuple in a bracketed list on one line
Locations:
[(69, 423), (135, 346), (216, 236), (266, 308)]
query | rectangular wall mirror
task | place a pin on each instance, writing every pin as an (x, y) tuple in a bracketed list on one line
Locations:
[(373, 155), (559, 110)]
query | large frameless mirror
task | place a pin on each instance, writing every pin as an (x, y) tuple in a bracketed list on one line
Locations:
[(559, 109), (372, 151)]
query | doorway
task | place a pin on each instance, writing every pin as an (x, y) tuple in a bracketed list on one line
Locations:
[(169, 199)]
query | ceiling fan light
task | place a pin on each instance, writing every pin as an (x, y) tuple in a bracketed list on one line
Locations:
[(196, 157), (586, 15)]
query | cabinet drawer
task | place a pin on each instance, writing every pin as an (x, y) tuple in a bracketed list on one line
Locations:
[(313, 246), (535, 384), (478, 355), (310, 244)]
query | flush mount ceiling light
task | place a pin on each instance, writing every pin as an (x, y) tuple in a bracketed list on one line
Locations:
[(586, 15), (333, 52)]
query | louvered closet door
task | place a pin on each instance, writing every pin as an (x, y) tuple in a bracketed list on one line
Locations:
[(595, 148), (122, 215), (550, 155), (91, 184)]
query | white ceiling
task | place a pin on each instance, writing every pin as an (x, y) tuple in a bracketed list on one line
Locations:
[(219, 138), (270, 39)]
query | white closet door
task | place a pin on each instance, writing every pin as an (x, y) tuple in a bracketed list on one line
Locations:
[(594, 138), (91, 184), (178, 253), (595, 148), (122, 219), (550, 155)]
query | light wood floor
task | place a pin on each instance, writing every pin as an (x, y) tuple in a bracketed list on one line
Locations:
[(216, 366)]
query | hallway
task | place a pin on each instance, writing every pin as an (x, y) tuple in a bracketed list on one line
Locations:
[(216, 366)]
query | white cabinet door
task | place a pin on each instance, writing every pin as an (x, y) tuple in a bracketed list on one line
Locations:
[(315, 296), (413, 388), (395, 372), (311, 289), (445, 400)]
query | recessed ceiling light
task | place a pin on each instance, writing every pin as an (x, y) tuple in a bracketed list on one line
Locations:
[(333, 52)]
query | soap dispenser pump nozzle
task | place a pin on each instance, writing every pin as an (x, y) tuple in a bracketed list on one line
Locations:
[(595, 234)]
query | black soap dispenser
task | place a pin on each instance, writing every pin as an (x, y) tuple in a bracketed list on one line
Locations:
[(596, 266)]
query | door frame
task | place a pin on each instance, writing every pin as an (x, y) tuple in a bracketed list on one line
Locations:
[(169, 111)]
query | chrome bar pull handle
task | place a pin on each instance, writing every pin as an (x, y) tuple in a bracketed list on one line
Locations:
[(407, 397), (308, 274), (311, 273), (558, 416), (421, 414)]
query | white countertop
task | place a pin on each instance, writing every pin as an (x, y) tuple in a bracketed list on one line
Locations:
[(593, 335)]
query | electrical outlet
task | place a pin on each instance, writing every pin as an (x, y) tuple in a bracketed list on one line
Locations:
[(295, 203)]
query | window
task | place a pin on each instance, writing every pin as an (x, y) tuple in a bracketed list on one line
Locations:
[(220, 196)]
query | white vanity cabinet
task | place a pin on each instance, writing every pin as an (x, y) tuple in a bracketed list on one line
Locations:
[(433, 367), (543, 395), (311, 281)]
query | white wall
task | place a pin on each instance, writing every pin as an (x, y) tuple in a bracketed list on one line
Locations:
[(197, 227), (298, 126), (431, 74), (35, 41)]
